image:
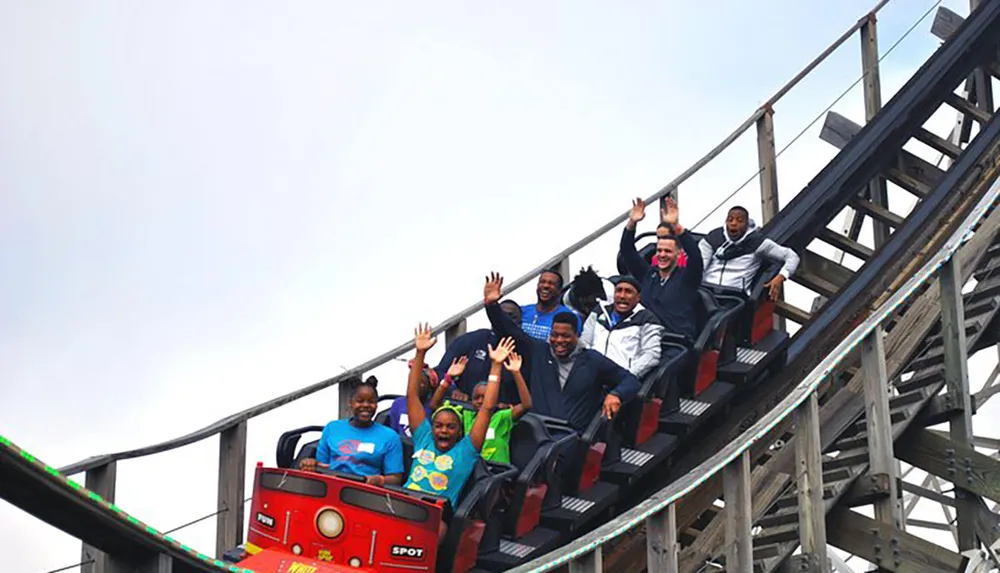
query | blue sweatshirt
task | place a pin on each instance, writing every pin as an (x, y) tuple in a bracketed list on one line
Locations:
[(583, 395), (673, 300), (473, 345)]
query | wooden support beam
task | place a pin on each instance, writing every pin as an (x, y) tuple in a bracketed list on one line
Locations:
[(968, 108), (846, 244), (232, 478), (589, 563), (456, 330), (102, 481), (908, 171), (830, 272), (866, 490), (960, 464), (809, 480), (767, 161), (878, 423), (888, 547), (872, 86), (736, 492), (877, 212), (956, 374), (661, 541), (791, 311)]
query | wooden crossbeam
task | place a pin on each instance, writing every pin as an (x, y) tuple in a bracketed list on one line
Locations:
[(888, 547), (947, 459)]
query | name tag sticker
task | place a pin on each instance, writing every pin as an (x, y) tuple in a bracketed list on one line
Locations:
[(366, 447), (491, 433)]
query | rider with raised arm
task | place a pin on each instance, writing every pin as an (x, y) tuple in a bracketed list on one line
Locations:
[(497, 445), (567, 381), (358, 445), (444, 456)]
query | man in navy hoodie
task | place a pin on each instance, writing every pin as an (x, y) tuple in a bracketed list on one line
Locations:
[(473, 345), (566, 381), (671, 292)]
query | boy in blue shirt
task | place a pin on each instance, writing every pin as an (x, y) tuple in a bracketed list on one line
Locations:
[(536, 319), (444, 457)]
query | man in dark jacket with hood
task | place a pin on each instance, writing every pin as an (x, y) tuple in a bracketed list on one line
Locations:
[(473, 345), (566, 380)]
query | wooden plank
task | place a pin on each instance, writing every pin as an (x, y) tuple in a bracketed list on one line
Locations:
[(102, 481), (809, 479), (965, 106), (877, 212), (736, 492), (956, 374), (946, 23), (831, 272), (947, 459), (878, 422), (938, 143), (888, 547), (867, 490), (791, 311), (232, 478), (661, 541), (845, 244)]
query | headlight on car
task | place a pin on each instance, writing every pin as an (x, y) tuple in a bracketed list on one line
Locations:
[(329, 523)]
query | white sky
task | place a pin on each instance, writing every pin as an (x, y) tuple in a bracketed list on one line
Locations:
[(208, 204)]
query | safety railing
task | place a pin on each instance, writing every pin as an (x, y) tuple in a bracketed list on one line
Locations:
[(658, 512), (101, 470)]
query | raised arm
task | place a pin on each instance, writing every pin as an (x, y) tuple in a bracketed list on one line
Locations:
[(454, 371), (788, 258), (423, 340), (499, 320), (695, 264), (636, 266), (482, 422), (513, 365)]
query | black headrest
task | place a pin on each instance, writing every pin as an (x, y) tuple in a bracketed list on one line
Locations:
[(528, 435)]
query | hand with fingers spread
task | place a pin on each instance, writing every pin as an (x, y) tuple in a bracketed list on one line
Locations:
[(774, 286), (513, 363), (493, 288), (423, 337), (638, 212), (308, 465), (503, 349), (457, 366), (670, 216)]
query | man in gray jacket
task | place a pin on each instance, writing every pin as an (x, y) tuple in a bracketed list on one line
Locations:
[(625, 331), (733, 255)]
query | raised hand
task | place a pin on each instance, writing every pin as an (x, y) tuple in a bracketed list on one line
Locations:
[(503, 349), (638, 212), (670, 215), (457, 366), (491, 292), (423, 337), (513, 363)]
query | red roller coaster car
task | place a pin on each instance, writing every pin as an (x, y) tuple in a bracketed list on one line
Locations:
[(302, 522)]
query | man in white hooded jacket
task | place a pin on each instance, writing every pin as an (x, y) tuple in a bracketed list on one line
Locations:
[(625, 331), (733, 254)]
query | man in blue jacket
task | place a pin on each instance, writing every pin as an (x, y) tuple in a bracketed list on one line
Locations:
[(473, 345), (566, 381)]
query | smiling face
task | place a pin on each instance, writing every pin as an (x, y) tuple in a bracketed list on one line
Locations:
[(548, 288), (666, 254), (562, 339), (364, 403), (626, 298), (446, 429)]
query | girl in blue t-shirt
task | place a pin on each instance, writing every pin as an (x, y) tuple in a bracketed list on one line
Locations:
[(444, 457), (358, 445)]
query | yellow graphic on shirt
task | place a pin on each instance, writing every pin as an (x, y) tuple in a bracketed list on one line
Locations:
[(439, 481), (444, 463), (425, 457), (418, 473)]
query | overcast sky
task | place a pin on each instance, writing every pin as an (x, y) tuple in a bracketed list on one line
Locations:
[(207, 204)]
